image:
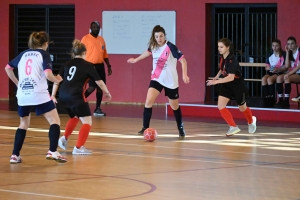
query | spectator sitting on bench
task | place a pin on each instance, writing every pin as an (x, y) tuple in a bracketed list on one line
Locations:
[(275, 66), (292, 76)]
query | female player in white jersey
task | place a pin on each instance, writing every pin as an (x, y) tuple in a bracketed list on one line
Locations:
[(76, 74), (232, 85), (292, 76), (163, 76), (275, 66), (34, 68)]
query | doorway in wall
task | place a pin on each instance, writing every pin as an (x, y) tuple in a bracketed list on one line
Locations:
[(57, 20), (251, 28)]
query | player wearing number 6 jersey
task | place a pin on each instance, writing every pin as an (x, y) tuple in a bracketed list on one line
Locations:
[(76, 74), (34, 68)]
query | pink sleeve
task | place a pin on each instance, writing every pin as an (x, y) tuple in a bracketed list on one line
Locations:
[(9, 67)]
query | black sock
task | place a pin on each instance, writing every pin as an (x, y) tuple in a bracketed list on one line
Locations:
[(147, 116), (89, 91), (287, 89), (54, 132), (99, 96), (178, 117), (272, 90), (265, 90), (279, 87), (19, 140)]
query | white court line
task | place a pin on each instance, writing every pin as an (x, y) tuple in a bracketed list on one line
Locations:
[(124, 144), (183, 159), (44, 195)]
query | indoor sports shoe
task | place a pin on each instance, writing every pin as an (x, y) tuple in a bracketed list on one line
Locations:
[(63, 143), (181, 132), (232, 130), (296, 99), (98, 112), (15, 159), (56, 156), (81, 151), (252, 127), (141, 132)]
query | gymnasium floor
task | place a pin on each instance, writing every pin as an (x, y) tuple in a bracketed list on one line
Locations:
[(204, 165)]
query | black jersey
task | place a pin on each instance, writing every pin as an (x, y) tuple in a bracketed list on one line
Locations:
[(230, 66), (76, 73)]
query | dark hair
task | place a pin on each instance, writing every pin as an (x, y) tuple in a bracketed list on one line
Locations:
[(229, 44), (291, 57), (78, 48), (279, 42), (152, 44), (95, 22), (37, 39)]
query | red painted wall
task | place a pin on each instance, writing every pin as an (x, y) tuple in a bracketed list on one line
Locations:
[(129, 83)]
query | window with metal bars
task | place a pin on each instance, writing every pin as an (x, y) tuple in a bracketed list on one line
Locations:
[(57, 20)]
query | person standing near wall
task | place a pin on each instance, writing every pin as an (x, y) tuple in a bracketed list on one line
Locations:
[(275, 66), (97, 55), (34, 68), (164, 75), (232, 85), (76, 73)]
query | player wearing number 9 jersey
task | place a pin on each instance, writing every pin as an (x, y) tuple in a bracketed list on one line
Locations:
[(34, 68), (76, 74)]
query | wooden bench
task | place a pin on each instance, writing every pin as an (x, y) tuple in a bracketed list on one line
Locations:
[(243, 64)]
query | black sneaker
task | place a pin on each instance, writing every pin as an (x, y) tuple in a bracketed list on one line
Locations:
[(141, 132), (98, 112), (181, 132)]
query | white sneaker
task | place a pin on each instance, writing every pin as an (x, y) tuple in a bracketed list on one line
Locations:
[(56, 156), (15, 159), (296, 99), (81, 151), (63, 143), (252, 127), (232, 130)]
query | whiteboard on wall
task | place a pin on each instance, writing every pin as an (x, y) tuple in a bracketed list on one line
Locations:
[(128, 32)]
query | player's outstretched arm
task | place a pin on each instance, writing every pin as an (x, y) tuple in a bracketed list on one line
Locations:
[(141, 57)]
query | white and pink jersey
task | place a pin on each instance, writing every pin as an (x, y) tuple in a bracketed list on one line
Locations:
[(274, 61), (296, 62), (164, 65), (32, 86)]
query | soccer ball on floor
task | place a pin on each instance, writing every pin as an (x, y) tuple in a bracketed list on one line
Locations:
[(150, 134)]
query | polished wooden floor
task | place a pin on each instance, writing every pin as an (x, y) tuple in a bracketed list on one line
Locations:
[(203, 165)]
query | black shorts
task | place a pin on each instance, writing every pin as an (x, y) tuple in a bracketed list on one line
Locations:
[(171, 93), (101, 72), (39, 109), (276, 73), (236, 89), (83, 110)]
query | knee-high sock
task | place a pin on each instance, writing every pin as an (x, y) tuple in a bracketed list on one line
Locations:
[(178, 117), (271, 89), (19, 140), (99, 96), (248, 115), (83, 135), (265, 90), (287, 90), (147, 116), (54, 132), (70, 126), (89, 91), (279, 87), (227, 117)]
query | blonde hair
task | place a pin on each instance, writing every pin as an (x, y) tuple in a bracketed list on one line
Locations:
[(78, 48), (37, 39), (152, 44)]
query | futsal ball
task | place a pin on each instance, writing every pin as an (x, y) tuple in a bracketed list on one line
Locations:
[(150, 134)]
